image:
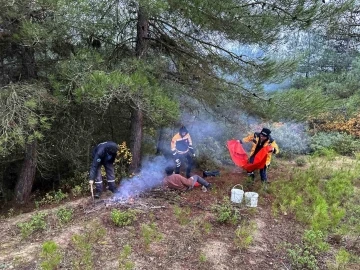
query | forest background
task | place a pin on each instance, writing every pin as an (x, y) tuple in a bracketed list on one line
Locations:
[(73, 74)]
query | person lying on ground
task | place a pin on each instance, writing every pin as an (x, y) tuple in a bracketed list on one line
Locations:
[(179, 182)]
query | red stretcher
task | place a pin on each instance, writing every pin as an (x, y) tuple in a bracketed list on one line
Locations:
[(241, 159)]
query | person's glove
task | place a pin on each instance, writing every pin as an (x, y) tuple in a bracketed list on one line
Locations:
[(91, 182)]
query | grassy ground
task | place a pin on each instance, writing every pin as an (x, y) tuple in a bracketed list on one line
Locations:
[(167, 230)]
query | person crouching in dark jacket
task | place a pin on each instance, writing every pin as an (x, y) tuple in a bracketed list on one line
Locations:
[(103, 154)]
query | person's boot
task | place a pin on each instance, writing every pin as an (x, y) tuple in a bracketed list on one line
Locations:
[(112, 186), (98, 190)]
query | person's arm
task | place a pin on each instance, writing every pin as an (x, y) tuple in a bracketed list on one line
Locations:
[(248, 138), (276, 148), (191, 148), (173, 144), (94, 166)]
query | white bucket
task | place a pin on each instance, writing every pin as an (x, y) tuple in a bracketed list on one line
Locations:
[(237, 194), (251, 199)]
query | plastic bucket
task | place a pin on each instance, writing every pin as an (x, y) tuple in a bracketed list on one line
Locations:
[(251, 199), (237, 194)]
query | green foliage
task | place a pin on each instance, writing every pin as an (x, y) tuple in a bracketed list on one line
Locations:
[(315, 201), (78, 184), (226, 212), (244, 234), (123, 218), (124, 262), (301, 161), (50, 255), (23, 114), (83, 245), (51, 198), (342, 258), (76, 191), (202, 258), (182, 214), (36, 223), (65, 215), (341, 143), (304, 256), (149, 234)]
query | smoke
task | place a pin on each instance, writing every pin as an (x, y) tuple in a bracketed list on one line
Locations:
[(151, 176)]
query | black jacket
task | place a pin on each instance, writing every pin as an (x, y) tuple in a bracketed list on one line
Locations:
[(102, 153)]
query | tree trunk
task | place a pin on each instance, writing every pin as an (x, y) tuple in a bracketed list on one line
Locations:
[(137, 115), (137, 118), (27, 174)]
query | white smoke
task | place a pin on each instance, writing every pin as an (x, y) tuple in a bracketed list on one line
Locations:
[(151, 176)]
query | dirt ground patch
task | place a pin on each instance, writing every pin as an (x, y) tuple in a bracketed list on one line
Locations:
[(187, 234)]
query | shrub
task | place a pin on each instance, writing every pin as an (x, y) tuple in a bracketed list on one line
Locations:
[(79, 182), (304, 256), (36, 223), (64, 215), (225, 212), (124, 218), (301, 162), (317, 202), (52, 197), (341, 143)]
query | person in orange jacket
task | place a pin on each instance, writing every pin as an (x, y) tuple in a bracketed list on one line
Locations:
[(182, 149), (259, 140)]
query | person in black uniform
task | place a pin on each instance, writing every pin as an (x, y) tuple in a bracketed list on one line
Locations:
[(103, 154), (183, 150)]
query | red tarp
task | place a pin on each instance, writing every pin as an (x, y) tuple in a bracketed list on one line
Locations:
[(240, 158)]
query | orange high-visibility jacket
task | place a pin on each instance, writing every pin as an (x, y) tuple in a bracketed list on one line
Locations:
[(182, 144), (254, 138)]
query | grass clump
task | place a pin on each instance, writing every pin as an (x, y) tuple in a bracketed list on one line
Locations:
[(50, 255), (83, 245), (244, 234), (182, 214), (122, 218), (150, 234), (124, 262)]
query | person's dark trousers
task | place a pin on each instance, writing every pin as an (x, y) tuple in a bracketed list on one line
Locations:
[(110, 175), (98, 183), (201, 181), (179, 159), (190, 162), (263, 175)]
